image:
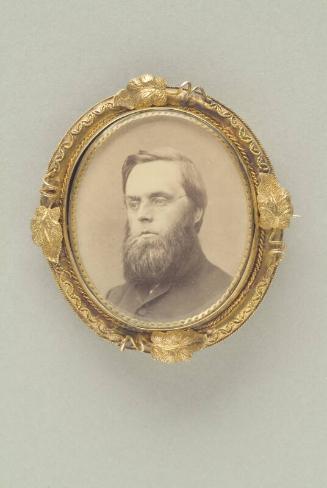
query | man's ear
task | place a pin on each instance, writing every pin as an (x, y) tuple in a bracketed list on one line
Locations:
[(198, 214)]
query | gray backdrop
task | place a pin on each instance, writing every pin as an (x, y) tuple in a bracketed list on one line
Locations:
[(248, 413)]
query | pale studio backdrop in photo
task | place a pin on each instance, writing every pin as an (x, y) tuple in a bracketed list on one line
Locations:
[(248, 413)]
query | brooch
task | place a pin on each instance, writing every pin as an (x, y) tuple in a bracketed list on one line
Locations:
[(162, 219)]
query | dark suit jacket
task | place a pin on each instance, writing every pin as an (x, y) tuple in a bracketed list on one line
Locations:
[(196, 286)]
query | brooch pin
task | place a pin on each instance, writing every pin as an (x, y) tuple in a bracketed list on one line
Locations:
[(162, 219)]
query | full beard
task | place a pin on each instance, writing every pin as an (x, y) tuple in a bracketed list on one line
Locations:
[(157, 258)]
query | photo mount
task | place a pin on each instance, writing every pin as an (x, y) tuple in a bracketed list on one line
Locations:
[(272, 210)]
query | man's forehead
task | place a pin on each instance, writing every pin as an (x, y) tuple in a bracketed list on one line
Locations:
[(154, 176)]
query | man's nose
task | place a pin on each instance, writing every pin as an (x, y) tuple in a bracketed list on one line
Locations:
[(144, 213)]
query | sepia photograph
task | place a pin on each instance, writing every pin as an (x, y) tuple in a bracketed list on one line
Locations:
[(160, 217)]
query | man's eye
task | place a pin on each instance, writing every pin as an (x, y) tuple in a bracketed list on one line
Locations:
[(133, 204), (159, 201)]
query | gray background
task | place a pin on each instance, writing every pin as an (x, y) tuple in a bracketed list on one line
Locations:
[(250, 412)]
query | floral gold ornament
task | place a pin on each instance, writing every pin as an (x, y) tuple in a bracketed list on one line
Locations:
[(144, 91), (46, 232), (188, 256), (274, 203), (176, 346)]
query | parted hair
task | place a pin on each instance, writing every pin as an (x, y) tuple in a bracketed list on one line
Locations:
[(192, 181)]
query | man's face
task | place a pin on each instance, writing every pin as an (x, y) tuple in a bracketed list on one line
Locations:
[(160, 234), (155, 199)]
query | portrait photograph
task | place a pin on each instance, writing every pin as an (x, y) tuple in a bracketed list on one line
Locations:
[(160, 218)]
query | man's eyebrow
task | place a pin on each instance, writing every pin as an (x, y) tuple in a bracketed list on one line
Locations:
[(151, 195), (132, 197), (160, 194)]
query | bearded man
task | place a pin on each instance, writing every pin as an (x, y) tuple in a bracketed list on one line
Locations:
[(167, 275)]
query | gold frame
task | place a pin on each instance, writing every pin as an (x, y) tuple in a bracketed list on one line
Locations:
[(271, 206)]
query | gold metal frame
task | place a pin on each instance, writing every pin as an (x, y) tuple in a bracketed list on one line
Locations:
[(272, 210)]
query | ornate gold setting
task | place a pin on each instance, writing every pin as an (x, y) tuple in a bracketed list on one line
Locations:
[(271, 205)]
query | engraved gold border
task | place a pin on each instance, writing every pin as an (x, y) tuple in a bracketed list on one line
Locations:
[(275, 211)]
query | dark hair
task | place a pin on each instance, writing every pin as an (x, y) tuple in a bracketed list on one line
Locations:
[(191, 178)]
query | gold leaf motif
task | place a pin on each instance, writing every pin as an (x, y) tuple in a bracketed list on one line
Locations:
[(274, 203), (141, 92), (46, 231), (175, 346)]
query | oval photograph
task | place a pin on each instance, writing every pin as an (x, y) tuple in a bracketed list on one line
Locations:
[(160, 218)]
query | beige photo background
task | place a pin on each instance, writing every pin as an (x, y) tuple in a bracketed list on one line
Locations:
[(98, 214)]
